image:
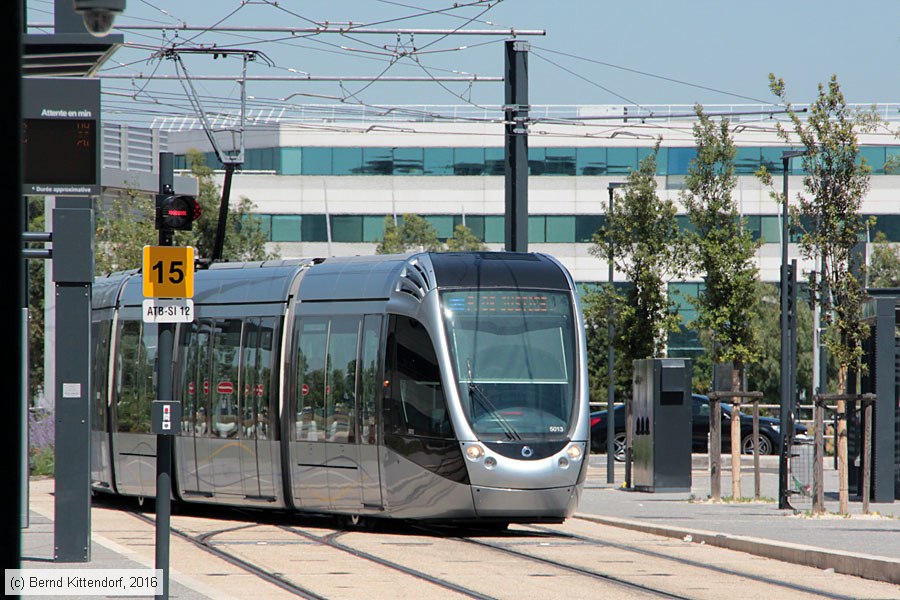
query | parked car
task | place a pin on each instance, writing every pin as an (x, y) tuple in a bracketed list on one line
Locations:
[(598, 432), (769, 430)]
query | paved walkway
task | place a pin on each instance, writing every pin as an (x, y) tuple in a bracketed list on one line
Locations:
[(866, 545)]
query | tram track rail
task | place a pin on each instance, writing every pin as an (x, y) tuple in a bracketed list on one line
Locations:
[(692, 563), (203, 542), (522, 544)]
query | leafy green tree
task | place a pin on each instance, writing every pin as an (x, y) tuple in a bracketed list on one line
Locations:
[(643, 237), (244, 235), (123, 227), (464, 240), (36, 288), (884, 264), (828, 215), (829, 218), (595, 306), (414, 233), (126, 224), (722, 248)]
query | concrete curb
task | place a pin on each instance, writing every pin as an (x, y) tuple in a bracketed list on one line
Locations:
[(867, 566)]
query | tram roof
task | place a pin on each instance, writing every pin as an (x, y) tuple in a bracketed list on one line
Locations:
[(345, 278)]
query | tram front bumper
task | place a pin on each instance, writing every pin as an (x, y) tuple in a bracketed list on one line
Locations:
[(548, 503)]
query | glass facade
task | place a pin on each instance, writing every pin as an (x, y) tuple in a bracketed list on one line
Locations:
[(542, 229), (581, 161)]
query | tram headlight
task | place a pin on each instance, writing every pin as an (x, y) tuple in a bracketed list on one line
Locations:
[(574, 452), (563, 462), (490, 462), (474, 452)]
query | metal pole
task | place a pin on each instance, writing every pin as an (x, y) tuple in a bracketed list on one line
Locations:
[(785, 346), (610, 357), (516, 146), (164, 443)]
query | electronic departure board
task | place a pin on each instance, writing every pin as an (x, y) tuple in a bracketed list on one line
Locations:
[(60, 151)]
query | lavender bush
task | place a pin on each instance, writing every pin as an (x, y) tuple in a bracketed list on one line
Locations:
[(41, 453)]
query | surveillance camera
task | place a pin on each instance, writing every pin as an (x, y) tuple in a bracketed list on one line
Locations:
[(98, 15)]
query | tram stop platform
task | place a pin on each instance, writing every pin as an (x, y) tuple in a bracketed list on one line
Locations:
[(865, 545)]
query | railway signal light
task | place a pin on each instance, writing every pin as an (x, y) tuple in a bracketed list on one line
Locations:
[(176, 212)]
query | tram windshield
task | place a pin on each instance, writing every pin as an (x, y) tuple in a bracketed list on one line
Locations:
[(514, 358)]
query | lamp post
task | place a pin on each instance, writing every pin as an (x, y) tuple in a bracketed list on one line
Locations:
[(610, 355), (787, 422)]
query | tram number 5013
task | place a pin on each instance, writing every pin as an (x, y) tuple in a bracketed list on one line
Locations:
[(168, 272)]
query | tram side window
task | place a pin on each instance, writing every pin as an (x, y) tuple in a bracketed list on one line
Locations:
[(196, 380), (369, 380), (226, 361), (415, 402), (100, 355), (136, 368), (340, 387), (310, 417), (257, 373)]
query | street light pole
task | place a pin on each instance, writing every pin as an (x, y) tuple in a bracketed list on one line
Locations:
[(610, 354), (786, 367)]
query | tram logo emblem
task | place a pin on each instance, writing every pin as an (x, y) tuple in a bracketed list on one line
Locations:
[(527, 451)]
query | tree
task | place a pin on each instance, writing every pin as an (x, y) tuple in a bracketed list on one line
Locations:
[(829, 218), (244, 235), (126, 224), (36, 288), (642, 236), (884, 264), (722, 249), (414, 233), (828, 215), (463, 240), (596, 306)]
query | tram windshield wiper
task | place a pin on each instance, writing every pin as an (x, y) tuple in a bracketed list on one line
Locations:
[(478, 395)]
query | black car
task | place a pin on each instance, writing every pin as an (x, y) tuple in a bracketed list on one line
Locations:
[(769, 430)]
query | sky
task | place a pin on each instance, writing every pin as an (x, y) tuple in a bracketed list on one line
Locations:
[(593, 51)]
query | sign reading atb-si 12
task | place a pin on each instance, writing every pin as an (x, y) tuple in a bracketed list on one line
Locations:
[(168, 284)]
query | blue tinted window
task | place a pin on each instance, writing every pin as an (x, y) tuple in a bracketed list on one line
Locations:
[(680, 160), (378, 161), (559, 161), (874, 157), (621, 161), (346, 228), (439, 161), (892, 160), (286, 228), (443, 224), (586, 226), (373, 228), (314, 228), (746, 161), (536, 233), (889, 225), (494, 229), (771, 158), (316, 161), (347, 161), (560, 229), (468, 161), (590, 161), (494, 161), (536, 157), (408, 161), (291, 161), (660, 162)]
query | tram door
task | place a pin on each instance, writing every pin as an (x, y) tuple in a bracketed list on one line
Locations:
[(259, 449), (332, 467), (195, 466)]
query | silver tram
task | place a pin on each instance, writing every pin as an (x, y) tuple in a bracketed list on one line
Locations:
[(431, 386)]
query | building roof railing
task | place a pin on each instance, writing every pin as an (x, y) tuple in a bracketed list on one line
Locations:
[(422, 113)]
